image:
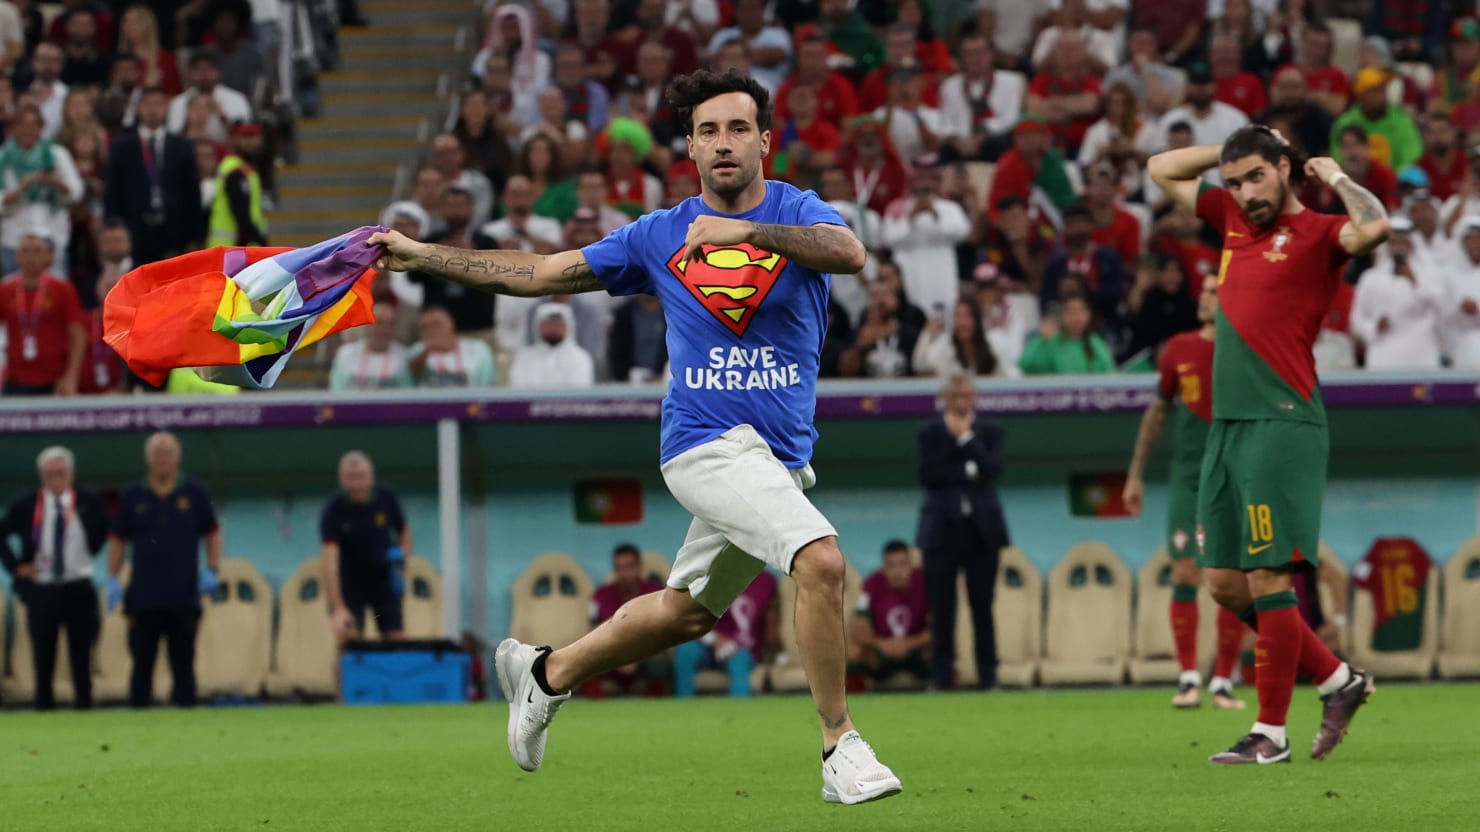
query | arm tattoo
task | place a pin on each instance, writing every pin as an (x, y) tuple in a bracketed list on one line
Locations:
[(505, 272), (1362, 206), (826, 248), (831, 723), (577, 278)]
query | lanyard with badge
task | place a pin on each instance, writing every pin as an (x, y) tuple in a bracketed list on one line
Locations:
[(380, 377), (151, 169), (456, 377), (100, 351), (29, 319)]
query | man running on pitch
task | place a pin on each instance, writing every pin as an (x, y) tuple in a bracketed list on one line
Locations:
[(742, 271), (1186, 368), (1264, 472)]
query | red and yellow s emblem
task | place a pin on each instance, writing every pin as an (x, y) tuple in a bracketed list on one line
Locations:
[(731, 282)]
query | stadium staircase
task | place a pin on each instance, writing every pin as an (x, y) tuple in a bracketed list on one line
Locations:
[(388, 95)]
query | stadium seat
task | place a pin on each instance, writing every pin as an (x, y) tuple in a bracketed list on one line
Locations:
[(19, 686), (789, 675), (552, 601), (1089, 618), (1408, 664), (1154, 652), (233, 650), (980, 175), (304, 650), (1018, 613), (1333, 570), (1459, 650), (421, 607)]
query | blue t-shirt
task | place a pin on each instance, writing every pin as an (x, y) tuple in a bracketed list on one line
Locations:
[(745, 328)]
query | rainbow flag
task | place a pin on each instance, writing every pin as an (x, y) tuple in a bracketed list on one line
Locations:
[(243, 310)]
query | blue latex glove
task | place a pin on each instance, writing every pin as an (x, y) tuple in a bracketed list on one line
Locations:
[(209, 581), (115, 593), (398, 569)]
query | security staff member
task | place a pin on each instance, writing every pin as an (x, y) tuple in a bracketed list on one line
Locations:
[(61, 528), (364, 538), (961, 527), (164, 518)]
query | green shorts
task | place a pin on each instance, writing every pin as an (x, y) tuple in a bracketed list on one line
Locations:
[(1182, 513), (1259, 498)]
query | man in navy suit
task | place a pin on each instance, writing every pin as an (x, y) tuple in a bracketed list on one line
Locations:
[(961, 527), (152, 184)]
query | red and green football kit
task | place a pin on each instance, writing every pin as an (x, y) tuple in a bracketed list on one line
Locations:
[(1186, 367)]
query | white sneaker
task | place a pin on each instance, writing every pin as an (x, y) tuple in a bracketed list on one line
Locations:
[(530, 708), (852, 774)]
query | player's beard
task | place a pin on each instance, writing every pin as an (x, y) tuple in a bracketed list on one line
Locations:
[(1275, 211), (734, 187)]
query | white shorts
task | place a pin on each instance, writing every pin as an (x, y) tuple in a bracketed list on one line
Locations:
[(749, 513)]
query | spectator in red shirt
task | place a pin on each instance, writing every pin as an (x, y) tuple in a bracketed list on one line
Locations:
[(651, 25), (590, 35), (1178, 25), (44, 325), (1067, 96), (1236, 88), (932, 53), (1358, 163), (804, 145), (627, 583), (835, 96), (1018, 167), (877, 173), (1442, 159), (1115, 227), (1328, 84), (899, 50), (102, 37), (891, 628)]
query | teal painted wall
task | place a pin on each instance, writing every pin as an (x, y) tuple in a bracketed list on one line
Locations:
[(1412, 472)]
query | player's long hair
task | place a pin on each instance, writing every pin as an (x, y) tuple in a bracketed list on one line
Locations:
[(689, 91), (1258, 140)]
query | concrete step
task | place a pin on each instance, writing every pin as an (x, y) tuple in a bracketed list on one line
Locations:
[(417, 13), (386, 81), (358, 128), (419, 57), (366, 105), (422, 34), (363, 152), (299, 199), (338, 176), (315, 226)]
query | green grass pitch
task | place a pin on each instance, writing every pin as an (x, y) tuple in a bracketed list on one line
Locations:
[(1076, 760)]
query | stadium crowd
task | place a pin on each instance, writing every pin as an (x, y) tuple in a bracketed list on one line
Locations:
[(990, 154)]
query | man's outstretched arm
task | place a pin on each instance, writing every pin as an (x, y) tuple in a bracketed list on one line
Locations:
[(824, 248), (493, 270)]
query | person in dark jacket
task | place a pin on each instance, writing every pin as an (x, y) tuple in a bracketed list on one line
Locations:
[(961, 527), (61, 528), (151, 183)]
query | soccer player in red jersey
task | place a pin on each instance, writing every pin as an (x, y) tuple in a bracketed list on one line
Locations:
[(1263, 474), (1186, 365)]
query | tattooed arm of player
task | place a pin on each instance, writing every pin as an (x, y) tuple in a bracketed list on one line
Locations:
[(824, 248), (1368, 225), (496, 270), (1153, 421)]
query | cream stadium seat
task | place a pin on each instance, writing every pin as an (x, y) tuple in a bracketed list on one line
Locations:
[(552, 601), (19, 687), (980, 175), (1459, 651), (1018, 614), (1336, 601), (305, 648), (421, 607), (1154, 651), (1346, 43), (789, 675), (1410, 664), (233, 649), (111, 660), (1089, 618)]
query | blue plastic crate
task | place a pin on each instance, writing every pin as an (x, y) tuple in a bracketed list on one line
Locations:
[(404, 674)]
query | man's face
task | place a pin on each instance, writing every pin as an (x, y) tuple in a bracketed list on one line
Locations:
[(1374, 101), (356, 477), (1201, 95), (591, 190), (1100, 190), (1471, 242), (652, 63), (1031, 143), (447, 156), (1440, 136), (727, 145), (1288, 89), (1142, 44), (552, 105), (225, 26), (33, 256), (47, 62), (552, 329), (496, 75), (732, 56), (247, 145), (436, 330), (1465, 52), (153, 109), (802, 103), (898, 569), (1169, 277), (650, 13), (583, 234), (1178, 139), (924, 182), (457, 209), (1425, 215), (570, 67), (905, 91), (81, 27), (56, 475), (1400, 245), (750, 15), (899, 46), (518, 195), (627, 569), (960, 398), (1078, 231), (113, 244), (125, 74), (428, 189), (1317, 47), (812, 60), (1223, 57), (26, 129), (205, 158), (976, 56), (834, 9), (204, 75), (1355, 152), (835, 186), (1259, 188), (162, 456)]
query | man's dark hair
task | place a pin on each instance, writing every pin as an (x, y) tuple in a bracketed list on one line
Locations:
[(689, 91), (1078, 211), (114, 223), (1253, 140), (458, 190), (155, 90), (1355, 131), (896, 545), (624, 549), (205, 56), (1180, 127), (1011, 201)]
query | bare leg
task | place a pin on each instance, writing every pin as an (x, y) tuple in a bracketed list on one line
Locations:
[(818, 572), (1230, 588), (643, 627)]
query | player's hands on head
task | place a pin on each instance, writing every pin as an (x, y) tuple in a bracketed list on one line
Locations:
[(1133, 495), (713, 231), (400, 251), (1323, 168)]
